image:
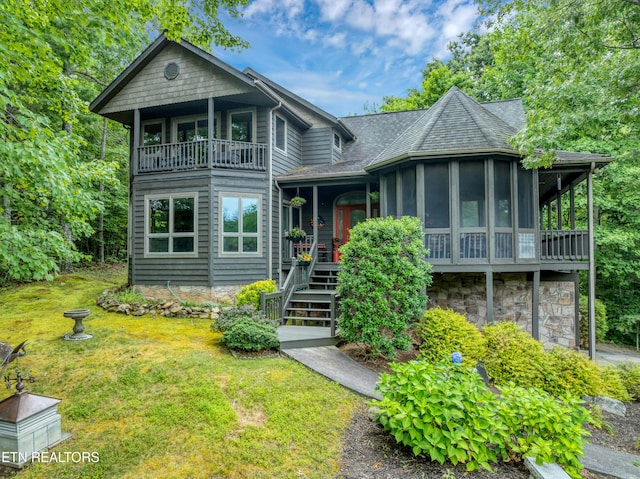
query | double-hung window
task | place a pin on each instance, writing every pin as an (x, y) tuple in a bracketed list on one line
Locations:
[(240, 224), (281, 134), (170, 224)]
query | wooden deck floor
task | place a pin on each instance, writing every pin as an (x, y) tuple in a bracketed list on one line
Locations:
[(305, 336)]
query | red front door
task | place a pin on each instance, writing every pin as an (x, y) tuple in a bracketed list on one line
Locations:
[(347, 216)]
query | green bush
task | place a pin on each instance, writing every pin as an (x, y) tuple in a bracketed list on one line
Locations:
[(445, 331), (613, 384), (630, 375), (382, 283), (514, 356), (229, 316), (445, 411), (250, 294), (246, 334), (546, 428), (602, 326)]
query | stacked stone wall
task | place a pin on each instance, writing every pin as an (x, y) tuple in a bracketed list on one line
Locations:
[(224, 295), (512, 301)]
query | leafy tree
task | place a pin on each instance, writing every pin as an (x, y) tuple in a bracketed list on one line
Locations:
[(382, 283), (54, 55)]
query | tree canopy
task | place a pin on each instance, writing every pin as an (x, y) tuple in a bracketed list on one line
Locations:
[(56, 56)]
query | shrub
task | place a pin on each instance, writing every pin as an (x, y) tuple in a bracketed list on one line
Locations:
[(549, 429), (613, 384), (250, 294), (569, 371), (130, 295), (630, 375), (445, 331), (513, 355), (445, 411), (246, 334), (229, 316), (382, 283), (602, 325)]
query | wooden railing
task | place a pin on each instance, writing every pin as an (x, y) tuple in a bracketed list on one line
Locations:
[(564, 245), (195, 154), (271, 305)]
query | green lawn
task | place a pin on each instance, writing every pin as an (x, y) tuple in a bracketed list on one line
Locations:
[(160, 398)]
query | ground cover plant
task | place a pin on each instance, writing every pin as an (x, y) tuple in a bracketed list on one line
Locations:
[(159, 398)]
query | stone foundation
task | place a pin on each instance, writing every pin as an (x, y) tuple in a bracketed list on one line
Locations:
[(223, 295), (512, 298)]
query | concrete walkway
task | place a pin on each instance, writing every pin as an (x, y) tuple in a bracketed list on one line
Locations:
[(333, 364)]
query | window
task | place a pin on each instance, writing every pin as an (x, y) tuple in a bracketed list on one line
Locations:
[(525, 199), (242, 125), (281, 134), (192, 128), (502, 193), (336, 140), (390, 195), (436, 196), (170, 224), (409, 206), (240, 221), (152, 133), (472, 194)]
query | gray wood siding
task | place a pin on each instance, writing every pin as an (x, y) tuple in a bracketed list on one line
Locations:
[(239, 270), (284, 163), (198, 79), (183, 271), (317, 146)]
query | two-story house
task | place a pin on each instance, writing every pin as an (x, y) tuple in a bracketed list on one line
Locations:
[(217, 154)]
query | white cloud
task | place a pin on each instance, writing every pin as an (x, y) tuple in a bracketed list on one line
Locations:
[(287, 8), (337, 40)]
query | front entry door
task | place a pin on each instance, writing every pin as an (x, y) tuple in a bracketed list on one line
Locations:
[(347, 216)]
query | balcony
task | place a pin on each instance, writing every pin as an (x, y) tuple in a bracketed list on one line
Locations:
[(190, 155), (564, 245)]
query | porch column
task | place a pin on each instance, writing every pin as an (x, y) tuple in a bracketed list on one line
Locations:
[(572, 206), (210, 131), (315, 215), (368, 200), (559, 204), (592, 268), (489, 287), (136, 139), (535, 306)]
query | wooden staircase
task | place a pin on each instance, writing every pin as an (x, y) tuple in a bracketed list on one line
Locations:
[(312, 306)]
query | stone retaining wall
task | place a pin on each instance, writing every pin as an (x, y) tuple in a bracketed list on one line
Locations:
[(197, 294), (170, 309), (512, 301)]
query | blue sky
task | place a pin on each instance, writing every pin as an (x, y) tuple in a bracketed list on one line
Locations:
[(343, 54)]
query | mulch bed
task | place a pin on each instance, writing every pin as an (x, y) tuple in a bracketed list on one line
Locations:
[(372, 453)]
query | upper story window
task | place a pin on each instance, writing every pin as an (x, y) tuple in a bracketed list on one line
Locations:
[(152, 133), (192, 128), (242, 125), (240, 220), (337, 141), (281, 133), (170, 224)]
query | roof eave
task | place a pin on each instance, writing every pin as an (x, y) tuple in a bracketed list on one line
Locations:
[(440, 154), (322, 176)]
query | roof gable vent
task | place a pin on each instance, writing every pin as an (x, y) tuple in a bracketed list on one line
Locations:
[(171, 71)]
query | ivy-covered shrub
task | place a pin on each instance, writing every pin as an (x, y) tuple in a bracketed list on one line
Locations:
[(630, 375), (602, 325), (250, 294), (229, 316), (445, 411), (444, 331), (245, 334), (513, 355), (382, 283)]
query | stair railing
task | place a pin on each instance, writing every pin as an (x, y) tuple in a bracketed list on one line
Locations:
[(295, 278)]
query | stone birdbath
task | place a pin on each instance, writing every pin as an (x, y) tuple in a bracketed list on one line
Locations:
[(78, 328)]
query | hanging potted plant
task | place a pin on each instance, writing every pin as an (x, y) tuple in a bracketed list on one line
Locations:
[(304, 259), (297, 201), (296, 234), (375, 196)]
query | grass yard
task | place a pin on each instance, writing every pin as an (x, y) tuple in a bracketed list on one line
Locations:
[(159, 398)]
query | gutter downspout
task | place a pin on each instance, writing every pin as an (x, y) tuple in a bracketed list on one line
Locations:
[(277, 185), (270, 195)]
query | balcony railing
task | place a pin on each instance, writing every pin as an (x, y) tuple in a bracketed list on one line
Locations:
[(195, 154), (564, 245), (555, 245)]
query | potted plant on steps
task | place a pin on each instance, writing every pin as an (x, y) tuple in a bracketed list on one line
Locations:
[(304, 259)]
